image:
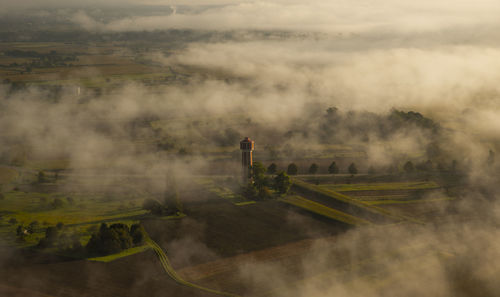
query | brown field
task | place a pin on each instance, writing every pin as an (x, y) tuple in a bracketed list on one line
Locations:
[(225, 229), (134, 276)]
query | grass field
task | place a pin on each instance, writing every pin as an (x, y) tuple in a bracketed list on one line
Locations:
[(223, 192), (124, 253), (381, 186)]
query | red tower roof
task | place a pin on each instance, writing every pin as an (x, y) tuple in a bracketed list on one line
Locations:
[(247, 144)]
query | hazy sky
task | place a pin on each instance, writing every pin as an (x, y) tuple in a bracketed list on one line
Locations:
[(317, 15)]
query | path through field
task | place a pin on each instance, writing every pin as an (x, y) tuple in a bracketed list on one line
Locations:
[(171, 272)]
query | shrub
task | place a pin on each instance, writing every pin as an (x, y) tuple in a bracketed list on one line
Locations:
[(265, 193)]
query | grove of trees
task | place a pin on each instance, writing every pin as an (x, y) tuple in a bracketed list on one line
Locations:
[(115, 238), (261, 185)]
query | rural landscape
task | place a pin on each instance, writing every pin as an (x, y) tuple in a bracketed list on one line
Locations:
[(247, 148)]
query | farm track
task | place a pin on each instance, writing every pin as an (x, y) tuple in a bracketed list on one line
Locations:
[(173, 274)]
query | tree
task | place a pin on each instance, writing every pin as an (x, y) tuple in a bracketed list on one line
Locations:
[(454, 165), (138, 234), (57, 203), (408, 167), (123, 233), (109, 240), (258, 169), (250, 191), (292, 169), (41, 177), (333, 169), (371, 170), (424, 166), (352, 169), (313, 169), (50, 238), (258, 175), (491, 158), (272, 168), (20, 230), (282, 183)]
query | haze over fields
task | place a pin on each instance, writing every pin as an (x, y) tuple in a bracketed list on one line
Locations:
[(126, 94)]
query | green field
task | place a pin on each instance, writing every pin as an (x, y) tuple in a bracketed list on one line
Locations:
[(351, 200), (80, 214), (8, 175)]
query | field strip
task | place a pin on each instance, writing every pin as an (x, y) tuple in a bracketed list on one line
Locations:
[(347, 199), (173, 275), (381, 186), (323, 210), (391, 202), (124, 253)]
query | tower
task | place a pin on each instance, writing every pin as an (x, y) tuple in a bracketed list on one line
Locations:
[(246, 147)]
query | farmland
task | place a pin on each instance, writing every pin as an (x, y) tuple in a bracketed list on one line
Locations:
[(121, 174)]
